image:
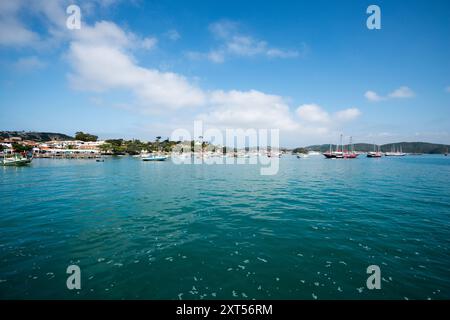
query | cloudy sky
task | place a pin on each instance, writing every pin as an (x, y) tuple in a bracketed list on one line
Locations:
[(312, 69)]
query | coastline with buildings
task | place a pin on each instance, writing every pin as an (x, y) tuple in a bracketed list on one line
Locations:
[(66, 147)]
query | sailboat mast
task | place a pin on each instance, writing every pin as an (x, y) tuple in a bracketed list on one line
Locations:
[(351, 145)]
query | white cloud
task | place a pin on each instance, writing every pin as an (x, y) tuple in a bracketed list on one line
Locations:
[(315, 114), (14, 32), (400, 93), (100, 59), (173, 35), (216, 56), (29, 64), (312, 113), (277, 53), (245, 46), (347, 114), (224, 28), (248, 109), (106, 33), (234, 43), (149, 43), (373, 96)]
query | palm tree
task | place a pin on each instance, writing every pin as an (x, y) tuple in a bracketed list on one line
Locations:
[(158, 138)]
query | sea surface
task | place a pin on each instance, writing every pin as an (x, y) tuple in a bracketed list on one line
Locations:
[(156, 230)]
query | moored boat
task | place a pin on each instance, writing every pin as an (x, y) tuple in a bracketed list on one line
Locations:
[(349, 154), (376, 153), (16, 160), (395, 152), (155, 158)]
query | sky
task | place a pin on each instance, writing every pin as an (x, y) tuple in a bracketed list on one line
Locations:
[(312, 69)]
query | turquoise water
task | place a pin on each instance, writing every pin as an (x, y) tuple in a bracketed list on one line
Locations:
[(156, 230)]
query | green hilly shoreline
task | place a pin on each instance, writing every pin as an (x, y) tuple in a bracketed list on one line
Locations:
[(408, 147)]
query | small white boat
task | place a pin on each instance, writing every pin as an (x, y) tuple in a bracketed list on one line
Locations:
[(155, 158), (302, 155), (15, 161)]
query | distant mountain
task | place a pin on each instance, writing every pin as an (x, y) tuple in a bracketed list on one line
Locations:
[(35, 136), (408, 147)]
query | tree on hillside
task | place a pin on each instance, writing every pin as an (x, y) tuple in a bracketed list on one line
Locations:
[(85, 136), (105, 147), (300, 150), (21, 148), (117, 145)]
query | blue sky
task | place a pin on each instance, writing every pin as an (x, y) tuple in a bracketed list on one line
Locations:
[(310, 68)]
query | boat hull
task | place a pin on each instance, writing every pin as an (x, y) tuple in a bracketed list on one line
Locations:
[(395, 154), (157, 158), (340, 155), (16, 163), (374, 155)]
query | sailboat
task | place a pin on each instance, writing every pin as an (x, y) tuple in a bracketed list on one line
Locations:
[(395, 153), (334, 154), (340, 154), (350, 154), (376, 153)]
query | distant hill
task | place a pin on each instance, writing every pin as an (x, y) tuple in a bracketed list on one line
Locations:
[(408, 147), (35, 136)]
